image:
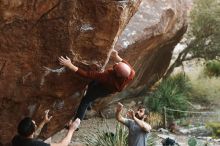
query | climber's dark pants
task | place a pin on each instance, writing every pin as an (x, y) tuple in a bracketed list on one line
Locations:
[(95, 90)]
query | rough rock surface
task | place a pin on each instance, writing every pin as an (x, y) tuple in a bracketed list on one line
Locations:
[(34, 33), (150, 36), (148, 41)]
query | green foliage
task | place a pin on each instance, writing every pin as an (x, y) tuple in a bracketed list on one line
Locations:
[(212, 68), (202, 38), (117, 138), (192, 141), (108, 138), (171, 93), (215, 128), (205, 29), (152, 139)]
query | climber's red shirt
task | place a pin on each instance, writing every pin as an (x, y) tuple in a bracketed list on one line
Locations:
[(108, 78)]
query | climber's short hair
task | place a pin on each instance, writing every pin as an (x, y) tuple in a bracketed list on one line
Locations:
[(26, 127)]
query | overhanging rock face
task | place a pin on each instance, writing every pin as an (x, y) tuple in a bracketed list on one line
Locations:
[(33, 34), (148, 40)]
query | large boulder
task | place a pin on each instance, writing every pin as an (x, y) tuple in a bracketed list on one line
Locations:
[(147, 43), (33, 34)]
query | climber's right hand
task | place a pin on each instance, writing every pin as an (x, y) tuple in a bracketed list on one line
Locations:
[(65, 61)]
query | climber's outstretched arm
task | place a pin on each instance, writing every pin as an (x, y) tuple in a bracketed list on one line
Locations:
[(93, 75)]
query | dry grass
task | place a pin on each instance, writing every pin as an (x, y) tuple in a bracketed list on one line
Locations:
[(204, 89)]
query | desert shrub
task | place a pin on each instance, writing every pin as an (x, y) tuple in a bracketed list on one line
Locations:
[(154, 119), (171, 93), (215, 128), (117, 138), (108, 138), (212, 68), (152, 139), (195, 142)]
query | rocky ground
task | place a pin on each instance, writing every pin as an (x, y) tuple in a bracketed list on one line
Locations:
[(98, 124), (87, 127), (94, 124)]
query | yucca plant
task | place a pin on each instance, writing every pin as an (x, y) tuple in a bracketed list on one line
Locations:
[(172, 93), (108, 138), (117, 138), (152, 139)]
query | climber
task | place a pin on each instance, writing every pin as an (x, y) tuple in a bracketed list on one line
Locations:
[(28, 131), (138, 128), (102, 84)]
